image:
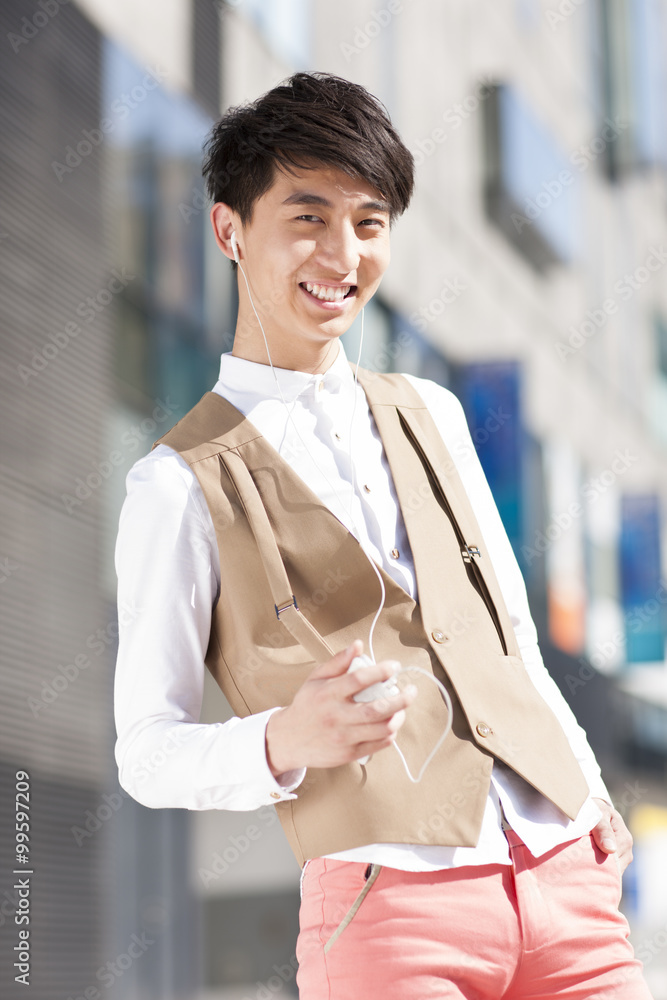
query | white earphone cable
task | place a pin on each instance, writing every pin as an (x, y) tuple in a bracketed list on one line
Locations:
[(348, 512)]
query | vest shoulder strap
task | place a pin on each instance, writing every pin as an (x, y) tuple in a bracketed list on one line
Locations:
[(389, 389)]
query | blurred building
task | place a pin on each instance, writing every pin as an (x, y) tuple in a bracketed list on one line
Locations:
[(529, 275)]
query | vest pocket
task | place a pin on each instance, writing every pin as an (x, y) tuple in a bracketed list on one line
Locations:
[(370, 875)]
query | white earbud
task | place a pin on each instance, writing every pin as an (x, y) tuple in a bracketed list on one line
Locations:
[(235, 247)]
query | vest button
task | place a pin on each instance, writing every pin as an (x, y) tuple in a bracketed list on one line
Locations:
[(483, 729), (275, 795), (439, 636)]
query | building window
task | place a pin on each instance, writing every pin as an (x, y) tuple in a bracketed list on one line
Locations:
[(641, 587), (168, 335), (415, 355), (530, 188), (657, 397), (376, 353), (285, 26), (490, 393), (392, 344), (660, 326), (564, 548), (633, 81)]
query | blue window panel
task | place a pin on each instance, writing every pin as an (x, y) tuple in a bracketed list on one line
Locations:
[(415, 355), (649, 81), (140, 110), (533, 171), (660, 329), (490, 393), (153, 140), (640, 579), (285, 25)]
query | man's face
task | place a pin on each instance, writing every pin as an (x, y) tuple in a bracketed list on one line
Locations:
[(314, 253)]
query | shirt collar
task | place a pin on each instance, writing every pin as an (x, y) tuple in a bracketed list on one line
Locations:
[(237, 375)]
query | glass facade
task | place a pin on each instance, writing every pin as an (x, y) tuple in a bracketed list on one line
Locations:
[(491, 396), (649, 80), (175, 310), (531, 190), (641, 585), (633, 81)]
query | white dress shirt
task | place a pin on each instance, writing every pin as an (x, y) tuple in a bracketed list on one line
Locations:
[(168, 569)]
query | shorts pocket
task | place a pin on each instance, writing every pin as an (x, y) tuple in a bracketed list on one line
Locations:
[(302, 876), (370, 875)]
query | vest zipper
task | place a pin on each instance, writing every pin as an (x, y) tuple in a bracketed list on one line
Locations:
[(478, 580), (486, 597)]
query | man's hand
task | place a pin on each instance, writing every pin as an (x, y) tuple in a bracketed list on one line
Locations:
[(325, 727), (611, 834)]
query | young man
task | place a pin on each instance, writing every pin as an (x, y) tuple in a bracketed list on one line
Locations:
[(293, 515)]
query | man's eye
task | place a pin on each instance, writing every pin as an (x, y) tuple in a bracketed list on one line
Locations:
[(315, 218), (373, 222)]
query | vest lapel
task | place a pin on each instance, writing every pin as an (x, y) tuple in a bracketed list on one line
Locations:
[(422, 469)]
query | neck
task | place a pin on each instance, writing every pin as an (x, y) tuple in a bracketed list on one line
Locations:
[(313, 358)]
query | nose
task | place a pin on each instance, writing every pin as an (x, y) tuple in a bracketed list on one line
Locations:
[(338, 248)]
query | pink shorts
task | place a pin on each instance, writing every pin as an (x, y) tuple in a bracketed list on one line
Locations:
[(542, 928)]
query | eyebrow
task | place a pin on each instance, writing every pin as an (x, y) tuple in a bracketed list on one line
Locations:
[(307, 198)]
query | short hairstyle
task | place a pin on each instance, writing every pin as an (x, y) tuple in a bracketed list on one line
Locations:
[(309, 120)]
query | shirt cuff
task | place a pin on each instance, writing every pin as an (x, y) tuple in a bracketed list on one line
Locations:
[(280, 788)]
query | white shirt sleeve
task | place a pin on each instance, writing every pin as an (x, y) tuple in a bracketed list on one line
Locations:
[(168, 581), (450, 420)]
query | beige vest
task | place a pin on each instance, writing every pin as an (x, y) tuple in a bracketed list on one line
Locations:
[(296, 587)]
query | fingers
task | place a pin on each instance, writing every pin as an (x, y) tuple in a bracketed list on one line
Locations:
[(382, 709), (623, 839), (369, 737), (603, 835), (331, 727), (382, 730), (372, 744), (364, 677), (612, 835)]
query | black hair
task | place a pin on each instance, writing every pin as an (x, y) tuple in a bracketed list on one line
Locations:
[(309, 120)]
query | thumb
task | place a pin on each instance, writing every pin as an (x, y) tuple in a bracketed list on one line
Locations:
[(604, 836), (339, 663)]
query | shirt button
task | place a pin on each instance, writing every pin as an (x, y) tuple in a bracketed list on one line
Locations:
[(275, 795), (394, 553), (337, 436), (439, 636), (368, 489), (320, 386), (483, 729)]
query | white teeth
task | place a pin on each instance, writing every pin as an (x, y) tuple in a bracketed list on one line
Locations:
[(327, 293)]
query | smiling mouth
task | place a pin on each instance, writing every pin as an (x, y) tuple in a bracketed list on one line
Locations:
[(328, 293)]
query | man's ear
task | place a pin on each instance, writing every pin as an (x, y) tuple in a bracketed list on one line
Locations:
[(224, 222)]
